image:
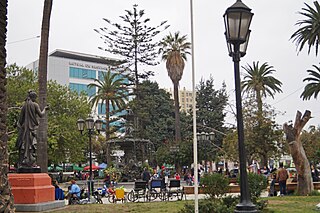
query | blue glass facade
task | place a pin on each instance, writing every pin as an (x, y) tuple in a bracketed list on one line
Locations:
[(82, 88), (100, 77), (75, 72)]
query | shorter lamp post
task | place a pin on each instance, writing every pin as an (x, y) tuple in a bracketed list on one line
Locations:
[(204, 137), (90, 125)]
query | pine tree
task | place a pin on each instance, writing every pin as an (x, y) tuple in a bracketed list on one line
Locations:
[(133, 41)]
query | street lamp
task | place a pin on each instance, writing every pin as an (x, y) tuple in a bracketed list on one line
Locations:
[(237, 20), (90, 125), (204, 137)]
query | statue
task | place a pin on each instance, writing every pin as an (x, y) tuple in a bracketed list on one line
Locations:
[(27, 131)]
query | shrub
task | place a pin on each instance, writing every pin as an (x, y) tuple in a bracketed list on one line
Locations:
[(256, 183), (230, 201), (208, 206), (215, 185)]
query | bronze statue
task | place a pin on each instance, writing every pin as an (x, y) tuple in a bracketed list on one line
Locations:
[(27, 131)]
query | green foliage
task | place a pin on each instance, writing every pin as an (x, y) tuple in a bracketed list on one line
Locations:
[(314, 193), (256, 183), (209, 206), (309, 32), (155, 112), (313, 86), (64, 140), (215, 185), (211, 104), (230, 145), (263, 139), (111, 91), (311, 144)]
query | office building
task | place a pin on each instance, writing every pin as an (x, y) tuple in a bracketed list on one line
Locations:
[(77, 70), (185, 99)]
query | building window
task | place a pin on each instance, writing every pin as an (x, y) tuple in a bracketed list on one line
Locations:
[(75, 72), (82, 88)]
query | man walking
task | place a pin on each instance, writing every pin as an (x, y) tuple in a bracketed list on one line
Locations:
[(282, 176)]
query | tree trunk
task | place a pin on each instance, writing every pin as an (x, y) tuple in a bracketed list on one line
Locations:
[(177, 113), (305, 185), (108, 132), (42, 149), (6, 197)]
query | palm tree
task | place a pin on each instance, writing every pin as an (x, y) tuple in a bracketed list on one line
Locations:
[(113, 91), (174, 49), (42, 151), (312, 88), (259, 81), (309, 33), (6, 198)]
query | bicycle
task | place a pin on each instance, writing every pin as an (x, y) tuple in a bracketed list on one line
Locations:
[(174, 190), (139, 191), (153, 193)]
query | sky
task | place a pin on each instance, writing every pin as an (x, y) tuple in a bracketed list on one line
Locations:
[(73, 23)]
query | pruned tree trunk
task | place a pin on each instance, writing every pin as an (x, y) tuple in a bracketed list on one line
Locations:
[(305, 185)]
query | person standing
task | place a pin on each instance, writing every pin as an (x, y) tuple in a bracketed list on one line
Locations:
[(146, 175), (314, 173), (282, 176)]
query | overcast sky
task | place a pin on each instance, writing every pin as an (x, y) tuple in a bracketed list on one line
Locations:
[(73, 23)]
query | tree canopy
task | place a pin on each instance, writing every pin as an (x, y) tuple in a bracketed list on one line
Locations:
[(133, 40), (64, 140)]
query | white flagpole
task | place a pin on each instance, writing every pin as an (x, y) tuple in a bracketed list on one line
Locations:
[(195, 145)]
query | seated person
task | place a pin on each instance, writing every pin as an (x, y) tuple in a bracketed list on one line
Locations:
[(74, 189)]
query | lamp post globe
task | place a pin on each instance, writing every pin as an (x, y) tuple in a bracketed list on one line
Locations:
[(237, 19)]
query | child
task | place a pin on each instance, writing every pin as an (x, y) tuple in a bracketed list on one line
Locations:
[(273, 192)]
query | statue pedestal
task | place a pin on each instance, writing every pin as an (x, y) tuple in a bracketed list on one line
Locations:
[(32, 191)]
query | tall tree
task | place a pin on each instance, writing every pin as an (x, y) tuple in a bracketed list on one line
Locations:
[(112, 91), (258, 81), (313, 87), (174, 49), (155, 111), (42, 151), (211, 104), (64, 140), (309, 33), (133, 40), (6, 197), (311, 144), (263, 135)]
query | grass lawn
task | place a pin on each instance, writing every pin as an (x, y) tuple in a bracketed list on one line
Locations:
[(287, 204), (293, 204), (152, 207)]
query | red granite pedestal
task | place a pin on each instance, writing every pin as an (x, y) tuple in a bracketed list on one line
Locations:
[(33, 192), (31, 188)]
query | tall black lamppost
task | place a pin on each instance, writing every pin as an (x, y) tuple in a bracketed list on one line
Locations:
[(90, 125), (204, 137), (237, 20)]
